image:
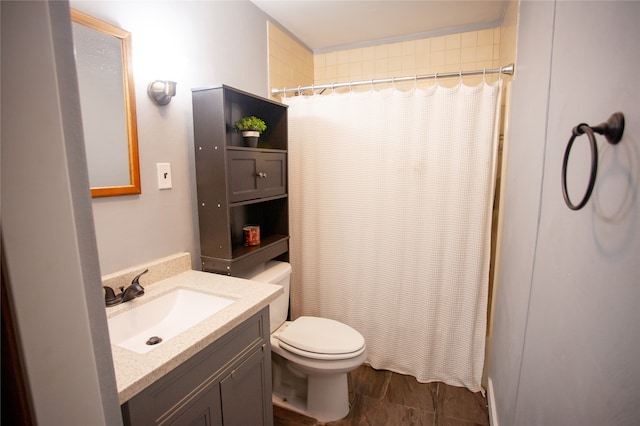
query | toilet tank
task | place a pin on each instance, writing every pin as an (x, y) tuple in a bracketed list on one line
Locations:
[(278, 273)]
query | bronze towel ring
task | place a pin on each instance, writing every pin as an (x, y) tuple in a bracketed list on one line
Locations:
[(612, 129)]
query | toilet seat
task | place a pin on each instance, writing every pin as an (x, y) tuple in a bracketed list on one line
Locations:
[(321, 338)]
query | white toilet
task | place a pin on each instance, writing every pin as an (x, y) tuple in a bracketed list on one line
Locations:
[(310, 356)]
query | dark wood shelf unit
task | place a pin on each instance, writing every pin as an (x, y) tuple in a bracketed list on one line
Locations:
[(239, 185)]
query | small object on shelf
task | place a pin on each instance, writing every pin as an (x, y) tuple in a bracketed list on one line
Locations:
[(251, 235), (251, 128)]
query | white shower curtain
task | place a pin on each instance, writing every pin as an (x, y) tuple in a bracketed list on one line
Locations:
[(390, 204)]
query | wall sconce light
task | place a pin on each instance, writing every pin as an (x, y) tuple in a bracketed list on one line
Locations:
[(161, 91)]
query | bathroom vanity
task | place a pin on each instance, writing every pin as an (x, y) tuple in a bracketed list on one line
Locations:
[(227, 383), (215, 372)]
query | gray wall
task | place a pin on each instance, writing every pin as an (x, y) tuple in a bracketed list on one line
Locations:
[(47, 225), (196, 44), (566, 339)]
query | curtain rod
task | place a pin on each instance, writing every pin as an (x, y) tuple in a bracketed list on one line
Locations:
[(507, 69)]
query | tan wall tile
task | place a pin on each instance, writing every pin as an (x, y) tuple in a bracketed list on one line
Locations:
[(381, 51), (368, 53), (438, 58), (468, 55), (437, 44), (485, 37), (452, 57), (395, 50), (408, 48), (355, 55), (452, 41), (469, 39)]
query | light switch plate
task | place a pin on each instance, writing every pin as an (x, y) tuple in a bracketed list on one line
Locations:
[(164, 175)]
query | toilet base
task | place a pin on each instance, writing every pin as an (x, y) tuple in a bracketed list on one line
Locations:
[(327, 398), (324, 397)]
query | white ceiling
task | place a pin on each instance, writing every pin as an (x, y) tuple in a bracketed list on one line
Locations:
[(334, 25)]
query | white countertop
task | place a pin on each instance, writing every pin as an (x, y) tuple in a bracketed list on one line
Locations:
[(134, 372)]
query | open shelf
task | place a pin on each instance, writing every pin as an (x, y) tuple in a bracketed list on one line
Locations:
[(246, 258), (240, 251)]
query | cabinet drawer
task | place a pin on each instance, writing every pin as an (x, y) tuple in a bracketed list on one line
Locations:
[(256, 174)]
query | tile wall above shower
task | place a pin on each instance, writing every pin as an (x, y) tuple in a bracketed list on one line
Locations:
[(462, 51), (292, 65)]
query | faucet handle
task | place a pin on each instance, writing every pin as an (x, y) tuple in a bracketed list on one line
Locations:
[(108, 293), (137, 277), (110, 297)]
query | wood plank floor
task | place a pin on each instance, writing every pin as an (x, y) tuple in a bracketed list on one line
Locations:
[(383, 398)]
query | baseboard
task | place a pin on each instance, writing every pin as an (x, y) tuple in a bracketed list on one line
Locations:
[(493, 415)]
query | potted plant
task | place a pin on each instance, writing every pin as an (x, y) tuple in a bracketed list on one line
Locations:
[(251, 128)]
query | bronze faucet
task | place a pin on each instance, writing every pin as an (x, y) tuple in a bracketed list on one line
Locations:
[(134, 290)]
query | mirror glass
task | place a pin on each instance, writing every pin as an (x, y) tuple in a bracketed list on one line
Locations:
[(107, 102)]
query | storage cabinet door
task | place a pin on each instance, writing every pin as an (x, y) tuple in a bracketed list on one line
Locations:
[(243, 393), (256, 174), (273, 181), (243, 176)]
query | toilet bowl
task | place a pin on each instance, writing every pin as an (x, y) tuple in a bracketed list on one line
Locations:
[(311, 356)]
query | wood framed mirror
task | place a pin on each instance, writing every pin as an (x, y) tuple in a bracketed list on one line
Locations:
[(108, 105)]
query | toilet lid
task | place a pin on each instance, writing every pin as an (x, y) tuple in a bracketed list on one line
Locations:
[(322, 336)]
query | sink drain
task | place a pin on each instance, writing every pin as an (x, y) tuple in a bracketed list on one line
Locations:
[(154, 340)]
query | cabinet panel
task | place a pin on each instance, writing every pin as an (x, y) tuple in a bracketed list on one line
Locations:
[(256, 174), (243, 176), (246, 387), (274, 168)]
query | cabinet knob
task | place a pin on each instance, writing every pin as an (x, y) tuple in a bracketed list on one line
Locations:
[(262, 175)]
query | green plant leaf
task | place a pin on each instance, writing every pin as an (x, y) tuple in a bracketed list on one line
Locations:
[(250, 123)]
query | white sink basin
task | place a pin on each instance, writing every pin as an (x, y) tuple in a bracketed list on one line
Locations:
[(164, 317)]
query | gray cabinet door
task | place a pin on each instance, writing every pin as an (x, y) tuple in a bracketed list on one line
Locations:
[(254, 175), (274, 168), (245, 400)]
